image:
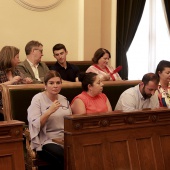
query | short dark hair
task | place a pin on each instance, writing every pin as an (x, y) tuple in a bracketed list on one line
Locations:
[(150, 77), (86, 79), (50, 74), (59, 47), (161, 66), (100, 53), (30, 45)]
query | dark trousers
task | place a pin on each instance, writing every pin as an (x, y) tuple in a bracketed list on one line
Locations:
[(1, 117), (54, 155)]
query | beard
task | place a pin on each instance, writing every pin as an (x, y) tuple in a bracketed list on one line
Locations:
[(145, 95)]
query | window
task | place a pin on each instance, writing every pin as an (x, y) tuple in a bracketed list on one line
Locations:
[(151, 43)]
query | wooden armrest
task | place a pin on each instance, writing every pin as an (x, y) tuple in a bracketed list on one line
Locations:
[(30, 152)]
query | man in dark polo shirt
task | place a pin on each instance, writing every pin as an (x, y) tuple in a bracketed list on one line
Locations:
[(68, 72)]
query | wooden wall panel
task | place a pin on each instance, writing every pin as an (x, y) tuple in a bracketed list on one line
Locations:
[(118, 141), (164, 143), (11, 145)]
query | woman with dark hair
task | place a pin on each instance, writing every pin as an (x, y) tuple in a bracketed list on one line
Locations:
[(46, 121), (163, 72), (100, 59), (91, 100)]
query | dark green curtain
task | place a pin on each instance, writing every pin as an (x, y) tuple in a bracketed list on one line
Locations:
[(167, 7), (129, 13)]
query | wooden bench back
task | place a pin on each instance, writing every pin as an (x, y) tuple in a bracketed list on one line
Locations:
[(82, 65), (17, 98)]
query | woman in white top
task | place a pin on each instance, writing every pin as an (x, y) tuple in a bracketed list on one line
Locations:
[(100, 59), (46, 121)]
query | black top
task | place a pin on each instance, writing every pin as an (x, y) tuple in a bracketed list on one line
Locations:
[(69, 74)]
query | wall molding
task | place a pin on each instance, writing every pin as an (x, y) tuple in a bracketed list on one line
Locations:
[(38, 5)]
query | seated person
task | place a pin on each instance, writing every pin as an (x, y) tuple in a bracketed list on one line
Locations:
[(33, 67), (68, 72), (163, 72), (100, 59), (9, 75), (141, 96), (46, 121), (91, 100)]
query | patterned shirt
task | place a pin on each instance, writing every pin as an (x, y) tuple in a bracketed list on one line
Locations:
[(4, 78), (164, 96)]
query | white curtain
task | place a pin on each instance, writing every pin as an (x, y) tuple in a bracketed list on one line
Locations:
[(151, 43)]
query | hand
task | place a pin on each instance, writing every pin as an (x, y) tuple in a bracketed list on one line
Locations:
[(27, 80), (16, 79), (55, 105)]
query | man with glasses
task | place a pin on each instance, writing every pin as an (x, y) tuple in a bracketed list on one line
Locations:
[(68, 72), (141, 96), (33, 67)]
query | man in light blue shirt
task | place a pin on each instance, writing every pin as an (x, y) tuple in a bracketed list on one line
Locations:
[(141, 96)]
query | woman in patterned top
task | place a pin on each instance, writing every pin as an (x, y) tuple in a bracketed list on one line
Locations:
[(9, 59), (9, 75), (101, 66), (163, 72)]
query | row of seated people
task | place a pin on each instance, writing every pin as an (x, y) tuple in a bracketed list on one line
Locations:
[(47, 109), (33, 70), (45, 114)]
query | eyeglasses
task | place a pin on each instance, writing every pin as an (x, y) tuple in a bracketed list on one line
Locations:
[(41, 51), (63, 107)]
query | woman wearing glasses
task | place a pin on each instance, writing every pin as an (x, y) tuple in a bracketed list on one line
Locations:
[(46, 121), (91, 100)]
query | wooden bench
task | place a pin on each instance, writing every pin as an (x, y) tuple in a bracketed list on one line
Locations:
[(17, 98), (118, 141), (82, 65)]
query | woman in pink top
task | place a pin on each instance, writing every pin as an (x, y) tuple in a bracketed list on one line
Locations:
[(91, 100), (101, 59)]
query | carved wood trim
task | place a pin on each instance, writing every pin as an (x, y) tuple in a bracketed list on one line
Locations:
[(116, 120)]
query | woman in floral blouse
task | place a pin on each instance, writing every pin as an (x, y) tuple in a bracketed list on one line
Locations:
[(9, 75), (9, 59), (163, 71)]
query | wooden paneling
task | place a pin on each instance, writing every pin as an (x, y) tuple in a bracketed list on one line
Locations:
[(138, 140), (11, 145)]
